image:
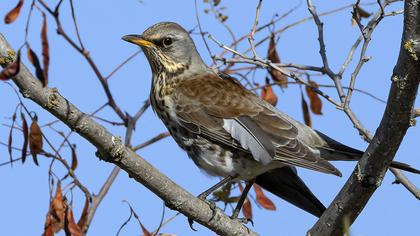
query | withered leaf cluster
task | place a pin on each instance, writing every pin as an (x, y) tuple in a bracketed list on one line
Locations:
[(314, 101), (268, 94), (13, 69), (60, 216), (32, 137), (224, 195), (280, 79), (274, 57)]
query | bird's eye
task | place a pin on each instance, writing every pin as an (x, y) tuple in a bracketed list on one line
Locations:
[(167, 41)]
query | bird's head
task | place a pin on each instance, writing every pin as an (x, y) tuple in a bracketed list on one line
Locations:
[(167, 47)]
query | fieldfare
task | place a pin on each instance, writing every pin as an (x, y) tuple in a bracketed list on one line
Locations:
[(227, 130)]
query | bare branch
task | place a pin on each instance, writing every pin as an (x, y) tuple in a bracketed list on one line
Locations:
[(97, 199), (122, 64), (151, 141), (350, 55), (400, 178), (254, 29), (367, 35)]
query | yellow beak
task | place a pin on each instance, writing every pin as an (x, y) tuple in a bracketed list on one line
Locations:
[(138, 40)]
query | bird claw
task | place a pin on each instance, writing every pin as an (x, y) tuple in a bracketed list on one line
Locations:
[(244, 220), (191, 222), (212, 206)]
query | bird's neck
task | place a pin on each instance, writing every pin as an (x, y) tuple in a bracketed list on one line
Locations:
[(169, 74)]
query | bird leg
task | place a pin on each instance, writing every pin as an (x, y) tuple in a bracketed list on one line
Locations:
[(213, 188), (206, 193), (241, 201)]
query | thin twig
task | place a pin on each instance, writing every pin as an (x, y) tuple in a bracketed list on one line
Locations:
[(76, 181), (254, 29), (122, 64), (151, 141), (97, 199), (73, 15), (202, 33), (400, 178), (350, 55), (367, 34)]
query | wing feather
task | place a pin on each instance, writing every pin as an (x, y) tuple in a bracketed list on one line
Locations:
[(224, 111), (250, 138)]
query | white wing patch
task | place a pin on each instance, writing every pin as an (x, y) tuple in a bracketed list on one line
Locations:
[(259, 149)]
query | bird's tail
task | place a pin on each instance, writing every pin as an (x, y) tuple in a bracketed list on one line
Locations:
[(286, 184), (337, 151)]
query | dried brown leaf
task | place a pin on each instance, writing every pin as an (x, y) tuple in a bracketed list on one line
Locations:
[(274, 57), (11, 70), (305, 110), (216, 2), (49, 226), (45, 49), (57, 210), (362, 12), (357, 14), (70, 227), (35, 139), (222, 17), (14, 13), (268, 94), (73, 158), (145, 231), (246, 207), (33, 58), (262, 199), (25, 132), (224, 193), (315, 101), (83, 218), (10, 140)]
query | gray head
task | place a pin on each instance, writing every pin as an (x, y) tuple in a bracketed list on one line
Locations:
[(168, 47)]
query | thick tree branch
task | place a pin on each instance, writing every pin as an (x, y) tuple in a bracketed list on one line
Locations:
[(111, 149), (371, 169)]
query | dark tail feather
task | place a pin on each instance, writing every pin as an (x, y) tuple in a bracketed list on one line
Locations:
[(285, 183), (337, 151)]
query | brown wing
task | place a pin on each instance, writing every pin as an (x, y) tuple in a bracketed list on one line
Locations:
[(224, 111)]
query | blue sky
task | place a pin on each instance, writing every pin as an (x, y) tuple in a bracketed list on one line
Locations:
[(24, 199)]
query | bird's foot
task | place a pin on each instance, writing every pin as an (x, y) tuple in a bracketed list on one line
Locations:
[(212, 206), (244, 220)]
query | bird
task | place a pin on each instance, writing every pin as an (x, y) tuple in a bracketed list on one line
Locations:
[(229, 131)]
